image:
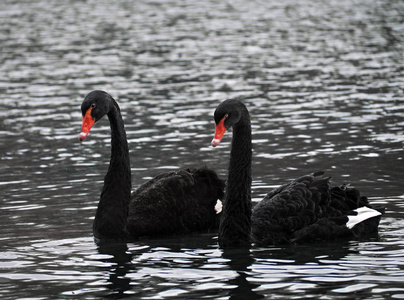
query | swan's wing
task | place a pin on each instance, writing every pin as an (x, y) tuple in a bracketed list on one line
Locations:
[(175, 202), (308, 209), (347, 215), (289, 208)]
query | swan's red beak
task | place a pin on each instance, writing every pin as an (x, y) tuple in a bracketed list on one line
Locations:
[(219, 132), (88, 122)]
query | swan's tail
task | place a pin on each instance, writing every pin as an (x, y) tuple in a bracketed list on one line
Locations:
[(361, 214), (359, 223)]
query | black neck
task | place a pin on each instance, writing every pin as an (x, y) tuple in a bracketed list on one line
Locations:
[(235, 223), (112, 212)]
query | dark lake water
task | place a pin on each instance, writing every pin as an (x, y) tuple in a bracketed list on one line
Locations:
[(324, 83)]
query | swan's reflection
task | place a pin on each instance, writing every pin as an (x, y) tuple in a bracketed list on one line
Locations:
[(120, 260), (163, 259), (240, 260)]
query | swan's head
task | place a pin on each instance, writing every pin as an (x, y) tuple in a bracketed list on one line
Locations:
[(227, 114), (95, 105)]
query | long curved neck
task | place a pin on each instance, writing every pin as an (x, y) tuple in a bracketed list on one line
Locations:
[(235, 226), (112, 212)]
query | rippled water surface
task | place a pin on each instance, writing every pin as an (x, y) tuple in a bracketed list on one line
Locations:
[(323, 81)]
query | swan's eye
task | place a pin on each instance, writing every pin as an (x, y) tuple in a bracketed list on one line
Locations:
[(93, 105), (226, 116)]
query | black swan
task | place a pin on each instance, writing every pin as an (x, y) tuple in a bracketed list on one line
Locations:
[(304, 210), (175, 202)]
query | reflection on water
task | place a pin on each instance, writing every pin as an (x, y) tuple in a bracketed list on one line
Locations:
[(192, 267), (324, 86)]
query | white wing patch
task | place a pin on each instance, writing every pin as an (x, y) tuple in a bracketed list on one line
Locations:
[(218, 207), (364, 213)]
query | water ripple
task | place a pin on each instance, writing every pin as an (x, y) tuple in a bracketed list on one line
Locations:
[(322, 81)]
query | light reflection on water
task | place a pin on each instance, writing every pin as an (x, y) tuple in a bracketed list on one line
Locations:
[(322, 81), (192, 266)]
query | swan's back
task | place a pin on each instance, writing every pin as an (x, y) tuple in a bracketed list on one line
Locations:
[(176, 202), (307, 209)]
